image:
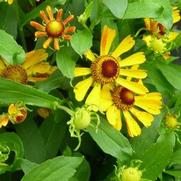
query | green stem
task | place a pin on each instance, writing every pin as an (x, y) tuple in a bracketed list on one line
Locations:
[(66, 109)]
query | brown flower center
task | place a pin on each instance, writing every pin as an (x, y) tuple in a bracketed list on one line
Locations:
[(123, 98), (54, 28), (105, 69), (157, 29), (16, 73)]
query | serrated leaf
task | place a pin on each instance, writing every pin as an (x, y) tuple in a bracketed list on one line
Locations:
[(117, 7), (110, 140), (10, 50), (81, 41), (15, 92), (54, 169)]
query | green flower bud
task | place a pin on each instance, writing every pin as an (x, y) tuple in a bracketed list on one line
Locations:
[(131, 174)]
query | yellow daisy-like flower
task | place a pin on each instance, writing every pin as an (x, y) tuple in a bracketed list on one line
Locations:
[(134, 108), (109, 69), (54, 29), (33, 69), (159, 36)]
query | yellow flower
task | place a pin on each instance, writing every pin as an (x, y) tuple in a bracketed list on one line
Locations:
[(33, 69), (131, 174), (109, 69), (132, 107), (54, 29), (4, 119), (159, 36), (171, 121)]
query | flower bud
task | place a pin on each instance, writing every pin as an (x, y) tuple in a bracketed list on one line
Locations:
[(158, 45), (82, 118), (17, 113), (4, 153), (43, 112), (171, 122), (131, 174), (4, 119)]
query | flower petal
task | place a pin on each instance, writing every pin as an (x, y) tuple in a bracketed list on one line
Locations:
[(89, 55), (81, 71), (50, 12), (81, 88), (147, 39), (140, 74), (107, 38), (147, 23), (106, 98), (2, 65), (132, 125), (113, 115), (125, 45), (47, 42), (176, 15), (133, 86), (172, 36), (93, 98), (142, 116), (135, 59), (34, 57)]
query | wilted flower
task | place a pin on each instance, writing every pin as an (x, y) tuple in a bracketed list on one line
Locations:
[(54, 28)]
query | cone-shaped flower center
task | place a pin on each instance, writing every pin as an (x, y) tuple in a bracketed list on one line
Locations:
[(105, 69), (122, 98), (16, 73), (54, 28)]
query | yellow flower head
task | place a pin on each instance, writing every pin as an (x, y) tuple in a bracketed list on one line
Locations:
[(109, 69), (54, 28), (171, 122), (133, 108), (33, 69), (17, 113), (131, 174)]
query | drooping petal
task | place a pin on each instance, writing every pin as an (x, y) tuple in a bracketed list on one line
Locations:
[(47, 42), (135, 59), (125, 45), (56, 44), (89, 55), (34, 57), (37, 26), (133, 86), (81, 71), (113, 115), (142, 116), (106, 98), (132, 125), (140, 74), (93, 98), (107, 38), (81, 88)]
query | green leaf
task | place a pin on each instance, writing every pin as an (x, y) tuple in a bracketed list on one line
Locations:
[(117, 7), (175, 173), (176, 159), (158, 156), (55, 169), (110, 140), (8, 19), (10, 50), (142, 9), (15, 92), (65, 63), (32, 140), (81, 41), (172, 73)]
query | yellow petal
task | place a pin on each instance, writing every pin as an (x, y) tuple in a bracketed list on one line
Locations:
[(142, 116), (81, 71), (147, 39), (114, 117), (50, 12), (34, 57), (89, 55), (2, 65), (41, 68), (10, 1), (133, 86), (47, 42), (82, 87), (4, 119), (106, 98), (94, 97), (135, 59), (172, 36), (107, 38), (151, 102), (147, 23), (175, 15), (125, 45), (132, 125), (140, 74)]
